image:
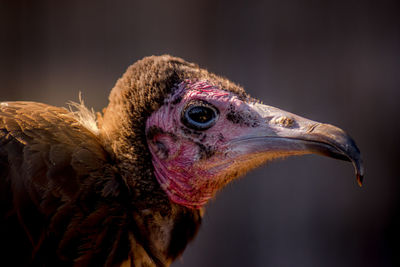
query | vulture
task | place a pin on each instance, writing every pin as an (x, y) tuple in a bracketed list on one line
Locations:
[(128, 186)]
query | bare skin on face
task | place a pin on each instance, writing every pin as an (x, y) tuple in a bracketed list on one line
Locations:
[(203, 137)]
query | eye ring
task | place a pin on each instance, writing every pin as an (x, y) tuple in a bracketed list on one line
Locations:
[(199, 115)]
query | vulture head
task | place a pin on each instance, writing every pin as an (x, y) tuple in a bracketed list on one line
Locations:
[(196, 131)]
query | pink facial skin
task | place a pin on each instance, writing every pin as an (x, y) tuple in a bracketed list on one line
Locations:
[(192, 165)]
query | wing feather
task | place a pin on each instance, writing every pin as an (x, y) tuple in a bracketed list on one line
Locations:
[(63, 201), (47, 158)]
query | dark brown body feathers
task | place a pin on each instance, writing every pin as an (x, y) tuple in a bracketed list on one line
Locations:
[(73, 198), (65, 203)]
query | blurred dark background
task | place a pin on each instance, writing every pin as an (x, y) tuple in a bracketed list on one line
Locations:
[(330, 61)]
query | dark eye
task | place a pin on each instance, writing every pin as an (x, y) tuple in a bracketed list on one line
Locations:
[(199, 115)]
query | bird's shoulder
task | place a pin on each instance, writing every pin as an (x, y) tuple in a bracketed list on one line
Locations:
[(53, 168), (46, 143), (48, 162)]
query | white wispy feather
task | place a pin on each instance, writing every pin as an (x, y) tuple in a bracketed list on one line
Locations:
[(85, 116)]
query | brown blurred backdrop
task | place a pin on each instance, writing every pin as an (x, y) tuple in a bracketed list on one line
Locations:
[(331, 61)]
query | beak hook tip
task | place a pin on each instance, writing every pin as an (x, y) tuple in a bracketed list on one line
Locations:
[(360, 179)]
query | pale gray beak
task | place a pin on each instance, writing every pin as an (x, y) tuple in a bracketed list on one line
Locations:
[(284, 133)]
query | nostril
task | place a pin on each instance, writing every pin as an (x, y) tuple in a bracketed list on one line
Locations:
[(284, 121), (312, 127)]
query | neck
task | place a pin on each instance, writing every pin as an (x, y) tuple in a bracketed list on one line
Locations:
[(182, 188)]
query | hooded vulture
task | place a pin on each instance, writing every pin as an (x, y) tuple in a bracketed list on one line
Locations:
[(127, 187)]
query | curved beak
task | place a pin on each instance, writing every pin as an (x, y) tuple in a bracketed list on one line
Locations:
[(281, 133)]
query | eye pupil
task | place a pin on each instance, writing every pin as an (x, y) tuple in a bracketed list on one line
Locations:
[(199, 115)]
